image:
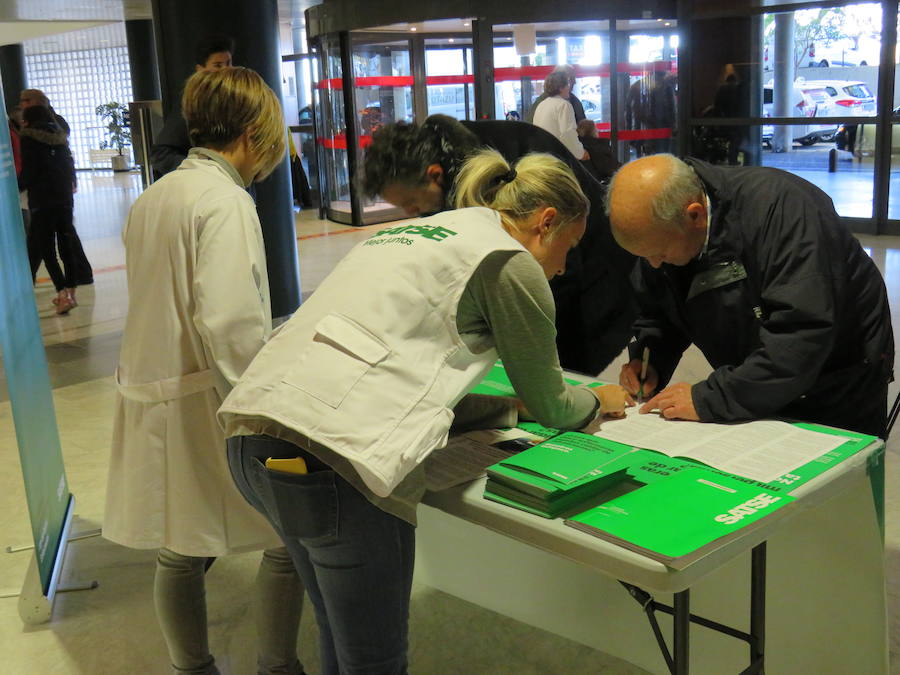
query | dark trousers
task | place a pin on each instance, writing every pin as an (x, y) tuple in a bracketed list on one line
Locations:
[(47, 225)]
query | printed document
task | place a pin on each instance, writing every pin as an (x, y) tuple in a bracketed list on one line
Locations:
[(466, 457), (762, 450)]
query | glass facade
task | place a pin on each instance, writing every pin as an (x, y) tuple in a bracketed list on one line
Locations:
[(79, 71)]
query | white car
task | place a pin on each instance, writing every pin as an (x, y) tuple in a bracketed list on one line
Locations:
[(809, 101), (846, 97)]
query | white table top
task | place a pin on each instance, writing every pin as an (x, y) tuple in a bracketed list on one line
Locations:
[(467, 502)]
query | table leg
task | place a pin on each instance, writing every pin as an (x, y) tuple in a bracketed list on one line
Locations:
[(758, 606), (682, 627)]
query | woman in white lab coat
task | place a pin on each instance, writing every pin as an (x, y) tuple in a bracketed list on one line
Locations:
[(198, 313)]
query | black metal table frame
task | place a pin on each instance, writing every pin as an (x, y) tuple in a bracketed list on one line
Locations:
[(678, 659)]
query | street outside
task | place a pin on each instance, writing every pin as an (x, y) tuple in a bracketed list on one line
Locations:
[(850, 186)]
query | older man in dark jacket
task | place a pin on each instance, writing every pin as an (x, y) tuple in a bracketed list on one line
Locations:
[(754, 266)]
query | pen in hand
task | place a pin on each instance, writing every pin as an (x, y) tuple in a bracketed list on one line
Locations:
[(645, 361)]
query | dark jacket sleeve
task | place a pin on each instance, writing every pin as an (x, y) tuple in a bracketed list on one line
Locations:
[(800, 276), (30, 162), (653, 328), (171, 146)]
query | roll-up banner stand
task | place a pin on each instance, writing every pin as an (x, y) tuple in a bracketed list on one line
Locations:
[(25, 364)]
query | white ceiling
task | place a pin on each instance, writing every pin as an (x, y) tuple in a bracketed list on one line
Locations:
[(27, 19)]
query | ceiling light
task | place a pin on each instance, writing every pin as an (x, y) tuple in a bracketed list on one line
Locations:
[(452, 40), (414, 28), (467, 24)]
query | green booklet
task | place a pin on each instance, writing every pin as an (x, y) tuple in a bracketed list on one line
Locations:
[(556, 475), (683, 517)]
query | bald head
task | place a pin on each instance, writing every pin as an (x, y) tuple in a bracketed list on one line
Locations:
[(657, 210)]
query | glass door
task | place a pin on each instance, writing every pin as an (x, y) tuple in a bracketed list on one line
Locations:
[(449, 79), (383, 93)]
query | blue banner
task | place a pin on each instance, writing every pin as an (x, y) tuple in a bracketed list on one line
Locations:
[(28, 381)]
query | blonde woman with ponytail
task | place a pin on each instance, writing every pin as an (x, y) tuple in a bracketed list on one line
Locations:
[(369, 374), (198, 311)]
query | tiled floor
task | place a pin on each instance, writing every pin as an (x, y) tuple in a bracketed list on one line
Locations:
[(112, 629)]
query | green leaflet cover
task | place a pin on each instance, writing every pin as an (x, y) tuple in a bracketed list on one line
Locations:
[(676, 519), (560, 464)]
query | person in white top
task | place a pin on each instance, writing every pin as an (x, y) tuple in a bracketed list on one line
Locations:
[(365, 379), (555, 113), (198, 312)]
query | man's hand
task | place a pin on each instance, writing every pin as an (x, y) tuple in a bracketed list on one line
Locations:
[(674, 403), (613, 399), (630, 378)]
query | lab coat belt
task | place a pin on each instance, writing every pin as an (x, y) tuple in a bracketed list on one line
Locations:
[(168, 389)]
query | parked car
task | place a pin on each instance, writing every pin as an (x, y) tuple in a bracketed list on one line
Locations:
[(845, 52), (846, 97), (592, 109), (807, 103)]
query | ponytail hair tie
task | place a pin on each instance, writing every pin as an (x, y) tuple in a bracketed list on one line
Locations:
[(507, 177)]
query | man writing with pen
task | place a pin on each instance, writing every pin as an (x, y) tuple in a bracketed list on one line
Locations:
[(753, 266)]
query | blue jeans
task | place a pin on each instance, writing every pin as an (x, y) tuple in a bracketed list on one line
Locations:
[(355, 560)]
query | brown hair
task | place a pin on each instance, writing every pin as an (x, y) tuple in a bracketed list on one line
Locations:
[(220, 106), (587, 128)]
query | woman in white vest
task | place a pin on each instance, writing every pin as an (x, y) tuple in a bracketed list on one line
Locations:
[(198, 312), (367, 377)]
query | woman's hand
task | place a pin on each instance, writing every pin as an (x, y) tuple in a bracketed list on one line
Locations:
[(613, 399)]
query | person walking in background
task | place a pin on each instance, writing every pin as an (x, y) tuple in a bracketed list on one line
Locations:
[(82, 274), (171, 146), (661, 110), (555, 114), (574, 101), (198, 311), (48, 176)]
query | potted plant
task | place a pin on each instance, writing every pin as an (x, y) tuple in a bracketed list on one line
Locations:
[(114, 114)]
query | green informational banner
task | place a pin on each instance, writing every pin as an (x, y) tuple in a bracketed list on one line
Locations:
[(27, 378)]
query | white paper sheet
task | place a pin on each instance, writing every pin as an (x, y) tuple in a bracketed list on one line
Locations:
[(466, 457), (761, 450)]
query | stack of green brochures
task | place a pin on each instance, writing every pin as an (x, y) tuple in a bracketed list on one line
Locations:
[(558, 475), (681, 518)]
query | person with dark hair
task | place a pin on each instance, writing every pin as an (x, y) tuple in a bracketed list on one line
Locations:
[(416, 166), (48, 175), (602, 163), (82, 274), (555, 113), (198, 311), (35, 97), (171, 146), (357, 388)]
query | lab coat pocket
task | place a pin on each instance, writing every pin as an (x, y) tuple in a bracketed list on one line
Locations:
[(341, 352), (305, 505)]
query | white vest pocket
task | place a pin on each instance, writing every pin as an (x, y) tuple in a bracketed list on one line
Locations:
[(341, 352)]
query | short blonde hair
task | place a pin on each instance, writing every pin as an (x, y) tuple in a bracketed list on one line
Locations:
[(221, 105), (537, 180)]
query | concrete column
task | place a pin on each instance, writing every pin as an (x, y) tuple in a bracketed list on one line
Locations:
[(783, 90), (254, 26), (12, 71), (142, 60)]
